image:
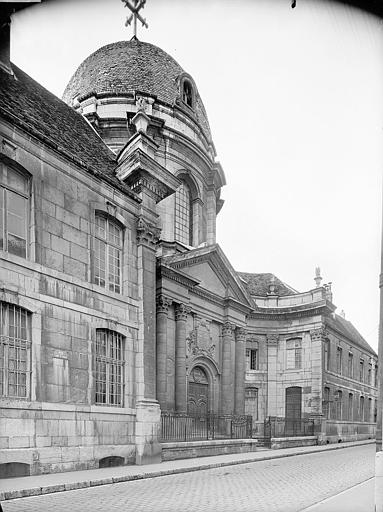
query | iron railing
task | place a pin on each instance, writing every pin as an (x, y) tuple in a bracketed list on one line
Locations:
[(286, 427), (188, 427)]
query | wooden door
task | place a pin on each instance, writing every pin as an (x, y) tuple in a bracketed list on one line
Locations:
[(198, 392), (293, 410)]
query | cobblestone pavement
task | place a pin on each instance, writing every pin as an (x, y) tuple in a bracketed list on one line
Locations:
[(287, 485)]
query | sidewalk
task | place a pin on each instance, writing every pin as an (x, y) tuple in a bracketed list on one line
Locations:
[(359, 498), (22, 487)]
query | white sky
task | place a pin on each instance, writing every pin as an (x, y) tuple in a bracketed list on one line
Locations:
[(295, 104)]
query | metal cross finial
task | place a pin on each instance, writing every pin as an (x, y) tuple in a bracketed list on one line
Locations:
[(135, 6)]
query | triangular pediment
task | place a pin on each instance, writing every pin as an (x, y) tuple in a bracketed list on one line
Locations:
[(213, 271)]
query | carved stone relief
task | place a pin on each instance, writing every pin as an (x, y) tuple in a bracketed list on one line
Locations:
[(199, 340)]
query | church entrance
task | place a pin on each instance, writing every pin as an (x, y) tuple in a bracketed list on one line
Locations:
[(198, 392)]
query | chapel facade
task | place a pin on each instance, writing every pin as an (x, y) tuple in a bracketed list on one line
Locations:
[(117, 303)]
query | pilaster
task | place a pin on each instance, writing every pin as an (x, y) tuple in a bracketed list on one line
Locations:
[(240, 338), (180, 367), (163, 304), (228, 362), (272, 353)]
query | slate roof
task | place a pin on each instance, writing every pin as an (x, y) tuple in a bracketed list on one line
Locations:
[(37, 111), (258, 284), (349, 331), (128, 66)]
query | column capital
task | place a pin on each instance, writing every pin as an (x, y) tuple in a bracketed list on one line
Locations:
[(227, 329), (318, 334), (182, 312), (147, 234), (240, 334), (272, 338), (163, 303)]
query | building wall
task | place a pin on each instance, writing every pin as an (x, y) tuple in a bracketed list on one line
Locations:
[(59, 426)]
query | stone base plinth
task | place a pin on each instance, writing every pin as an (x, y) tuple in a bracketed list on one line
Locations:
[(191, 449), (379, 482), (148, 424), (291, 442)]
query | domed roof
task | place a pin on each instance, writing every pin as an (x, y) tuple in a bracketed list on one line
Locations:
[(128, 66)]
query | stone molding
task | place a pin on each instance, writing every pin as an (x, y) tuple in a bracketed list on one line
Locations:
[(272, 339), (147, 234), (227, 329), (182, 312), (318, 334), (240, 334), (163, 303)]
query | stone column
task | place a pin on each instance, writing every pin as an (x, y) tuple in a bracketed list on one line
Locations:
[(163, 304), (272, 353), (227, 381), (240, 347), (180, 366)]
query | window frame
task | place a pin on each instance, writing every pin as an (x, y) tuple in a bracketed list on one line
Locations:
[(350, 365), (108, 246), (298, 354), (181, 234), (326, 354), (5, 190), (251, 356), (339, 360), (18, 345), (109, 363)]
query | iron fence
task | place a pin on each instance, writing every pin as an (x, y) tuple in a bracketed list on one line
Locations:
[(188, 427), (286, 427)]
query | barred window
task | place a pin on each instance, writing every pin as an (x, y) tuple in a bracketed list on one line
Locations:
[(294, 354), (14, 200), (109, 367), (107, 254), (183, 223), (251, 359), (15, 351)]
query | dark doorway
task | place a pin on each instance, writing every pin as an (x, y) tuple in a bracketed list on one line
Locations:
[(293, 410), (198, 392)]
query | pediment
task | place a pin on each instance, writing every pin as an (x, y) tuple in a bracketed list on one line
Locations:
[(213, 271)]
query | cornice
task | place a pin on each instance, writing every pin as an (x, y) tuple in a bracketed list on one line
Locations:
[(176, 275), (285, 313)]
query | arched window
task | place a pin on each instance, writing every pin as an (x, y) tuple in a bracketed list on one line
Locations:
[(183, 215), (14, 202), (187, 93), (107, 253), (15, 351), (109, 367)]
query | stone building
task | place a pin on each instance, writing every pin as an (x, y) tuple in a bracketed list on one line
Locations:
[(116, 301)]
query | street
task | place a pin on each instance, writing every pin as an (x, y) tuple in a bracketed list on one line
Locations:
[(288, 484)]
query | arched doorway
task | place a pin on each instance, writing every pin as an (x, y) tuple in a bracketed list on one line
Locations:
[(293, 410), (198, 392)]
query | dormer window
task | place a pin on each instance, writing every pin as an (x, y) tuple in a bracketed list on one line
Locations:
[(187, 93)]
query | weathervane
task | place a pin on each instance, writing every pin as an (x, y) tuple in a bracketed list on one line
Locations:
[(135, 6)]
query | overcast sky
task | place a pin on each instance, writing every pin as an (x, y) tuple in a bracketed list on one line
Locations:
[(295, 103)]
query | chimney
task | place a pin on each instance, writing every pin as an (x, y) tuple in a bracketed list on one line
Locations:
[(5, 38), (7, 8)]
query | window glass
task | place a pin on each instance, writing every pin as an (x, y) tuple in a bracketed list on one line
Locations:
[(109, 368), (107, 254), (294, 354), (251, 359), (183, 225)]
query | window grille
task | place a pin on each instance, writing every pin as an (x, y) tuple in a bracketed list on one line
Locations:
[(15, 352), (109, 368), (107, 254), (183, 223), (251, 359), (14, 200), (294, 354)]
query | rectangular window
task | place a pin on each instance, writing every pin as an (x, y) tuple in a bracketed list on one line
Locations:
[(361, 370), (251, 359), (14, 201), (350, 365), (339, 360), (369, 378), (361, 408), (339, 405), (294, 354), (107, 254), (15, 351), (109, 368), (376, 376), (326, 354), (326, 403), (350, 414)]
